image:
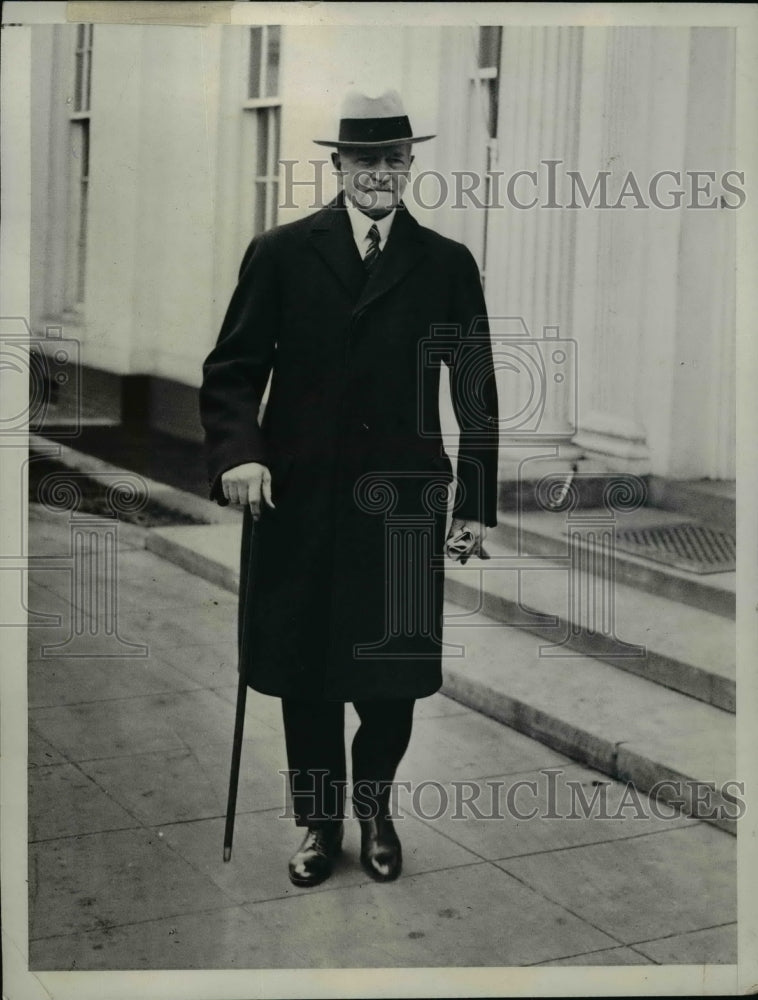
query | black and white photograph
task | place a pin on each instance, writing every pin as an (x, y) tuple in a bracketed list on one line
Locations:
[(378, 443)]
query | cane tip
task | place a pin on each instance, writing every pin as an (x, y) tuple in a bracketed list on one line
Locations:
[(227, 853)]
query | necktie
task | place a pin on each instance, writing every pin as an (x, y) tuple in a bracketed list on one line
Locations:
[(373, 253)]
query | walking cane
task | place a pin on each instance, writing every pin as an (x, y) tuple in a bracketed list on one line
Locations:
[(239, 720), (234, 774)]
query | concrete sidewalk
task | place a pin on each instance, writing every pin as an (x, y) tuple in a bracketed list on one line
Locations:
[(129, 758)]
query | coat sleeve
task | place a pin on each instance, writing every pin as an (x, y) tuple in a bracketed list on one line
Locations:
[(236, 371), (474, 399)]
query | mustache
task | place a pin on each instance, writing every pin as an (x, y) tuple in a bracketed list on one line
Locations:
[(385, 181)]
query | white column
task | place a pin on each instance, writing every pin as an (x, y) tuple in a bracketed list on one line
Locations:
[(452, 146), (654, 296), (113, 253), (633, 98), (48, 114), (702, 421), (530, 260), (173, 294)]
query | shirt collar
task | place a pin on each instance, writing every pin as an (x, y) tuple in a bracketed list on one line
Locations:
[(361, 224)]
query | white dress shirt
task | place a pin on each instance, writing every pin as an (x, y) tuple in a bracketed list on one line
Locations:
[(361, 224)]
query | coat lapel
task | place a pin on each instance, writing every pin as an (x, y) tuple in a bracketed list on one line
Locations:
[(332, 237), (405, 247)]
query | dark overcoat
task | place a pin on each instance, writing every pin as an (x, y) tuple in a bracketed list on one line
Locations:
[(342, 583)]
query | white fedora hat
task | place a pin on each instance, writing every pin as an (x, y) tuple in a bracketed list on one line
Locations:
[(373, 121)]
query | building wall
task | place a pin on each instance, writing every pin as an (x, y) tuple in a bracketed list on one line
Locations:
[(645, 304), (644, 297)]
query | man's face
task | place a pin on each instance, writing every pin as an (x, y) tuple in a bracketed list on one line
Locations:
[(374, 179)]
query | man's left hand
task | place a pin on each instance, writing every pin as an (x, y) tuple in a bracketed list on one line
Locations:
[(465, 540)]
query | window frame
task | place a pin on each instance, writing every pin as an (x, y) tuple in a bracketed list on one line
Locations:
[(79, 142), (256, 110), (484, 90)]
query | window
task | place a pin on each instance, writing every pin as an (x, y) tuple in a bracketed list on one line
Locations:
[(79, 153), (83, 61), (483, 116), (487, 74), (262, 111)]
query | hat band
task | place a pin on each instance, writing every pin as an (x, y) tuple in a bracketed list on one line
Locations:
[(375, 129)]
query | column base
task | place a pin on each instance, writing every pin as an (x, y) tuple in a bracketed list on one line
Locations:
[(533, 459), (612, 444)]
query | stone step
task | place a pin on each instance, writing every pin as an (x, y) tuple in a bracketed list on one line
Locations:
[(542, 533), (626, 726), (689, 651), (629, 726), (210, 551), (711, 500), (102, 471), (665, 642)]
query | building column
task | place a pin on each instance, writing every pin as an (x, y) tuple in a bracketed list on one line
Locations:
[(530, 251), (633, 101), (702, 401)]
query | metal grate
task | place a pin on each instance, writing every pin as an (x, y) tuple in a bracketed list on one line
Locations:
[(689, 546)]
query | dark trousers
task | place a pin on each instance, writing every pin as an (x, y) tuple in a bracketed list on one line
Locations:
[(315, 736)]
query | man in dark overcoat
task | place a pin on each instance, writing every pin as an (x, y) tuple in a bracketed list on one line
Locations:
[(351, 311)]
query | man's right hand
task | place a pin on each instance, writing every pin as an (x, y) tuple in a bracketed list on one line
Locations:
[(246, 484)]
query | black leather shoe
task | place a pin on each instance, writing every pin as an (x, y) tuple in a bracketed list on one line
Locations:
[(381, 853), (312, 862)]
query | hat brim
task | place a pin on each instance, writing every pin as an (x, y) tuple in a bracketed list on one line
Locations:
[(401, 140)]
